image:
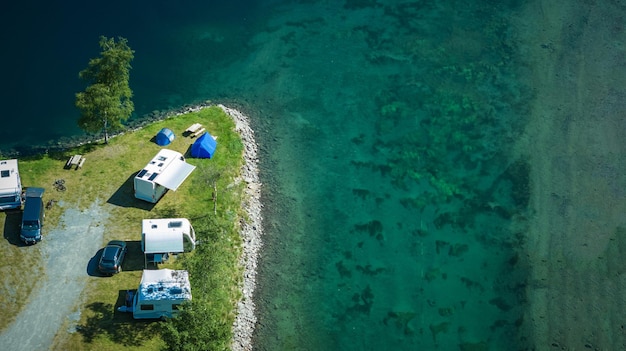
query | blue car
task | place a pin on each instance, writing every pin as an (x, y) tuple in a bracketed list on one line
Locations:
[(112, 257)]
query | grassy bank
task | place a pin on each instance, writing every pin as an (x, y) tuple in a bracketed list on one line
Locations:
[(107, 177)]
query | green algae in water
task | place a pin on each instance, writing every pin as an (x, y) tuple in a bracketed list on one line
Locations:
[(402, 161)]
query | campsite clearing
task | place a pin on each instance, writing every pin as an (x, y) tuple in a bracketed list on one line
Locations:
[(91, 320)]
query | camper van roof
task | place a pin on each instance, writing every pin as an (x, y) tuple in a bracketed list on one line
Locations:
[(164, 234), (164, 284), (161, 161), (9, 176), (161, 224), (167, 168)]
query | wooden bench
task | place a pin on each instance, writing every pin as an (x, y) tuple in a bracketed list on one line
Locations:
[(80, 164)]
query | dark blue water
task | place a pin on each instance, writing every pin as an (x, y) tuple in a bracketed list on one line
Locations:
[(47, 44), (384, 129)]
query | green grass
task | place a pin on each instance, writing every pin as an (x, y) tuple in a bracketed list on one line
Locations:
[(107, 176)]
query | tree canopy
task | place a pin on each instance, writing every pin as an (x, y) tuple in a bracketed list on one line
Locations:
[(106, 103)]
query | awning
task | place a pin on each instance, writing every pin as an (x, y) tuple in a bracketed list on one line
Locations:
[(163, 242), (175, 174)]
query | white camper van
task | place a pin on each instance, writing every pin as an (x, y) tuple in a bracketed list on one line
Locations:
[(167, 170), (161, 237), (159, 295), (10, 185)]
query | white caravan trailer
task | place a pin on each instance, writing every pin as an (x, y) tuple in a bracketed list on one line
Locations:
[(10, 185), (161, 237), (159, 295), (167, 170)]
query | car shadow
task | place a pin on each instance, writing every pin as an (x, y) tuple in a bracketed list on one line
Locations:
[(124, 196), (133, 261), (92, 265), (11, 228)]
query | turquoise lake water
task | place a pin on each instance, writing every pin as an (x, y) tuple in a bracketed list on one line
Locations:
[(385, 130)]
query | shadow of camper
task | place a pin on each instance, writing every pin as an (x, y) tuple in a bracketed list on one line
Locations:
[(134, 256), (133, 261), (124, 196), (12, 221), (124, 298)]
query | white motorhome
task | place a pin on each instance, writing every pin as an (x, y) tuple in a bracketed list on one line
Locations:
[(164, 236), (160, 294), (166, 171), (10, 185)]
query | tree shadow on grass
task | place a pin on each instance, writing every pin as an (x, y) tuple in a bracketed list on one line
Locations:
[(119, 327), (124, 196)]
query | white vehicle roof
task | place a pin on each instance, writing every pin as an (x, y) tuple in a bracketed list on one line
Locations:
[(164, 284), (9, 175), (164, 234), (168, 168)]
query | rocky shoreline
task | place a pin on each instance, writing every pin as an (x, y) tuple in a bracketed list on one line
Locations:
[(251, 229), (251, 232)]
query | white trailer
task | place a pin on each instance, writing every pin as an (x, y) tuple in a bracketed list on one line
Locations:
[(10, 185), (160, 294), (164, 236), (166, 171)]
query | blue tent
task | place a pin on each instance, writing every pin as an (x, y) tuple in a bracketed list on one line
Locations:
[(204, 147), (164, 137)]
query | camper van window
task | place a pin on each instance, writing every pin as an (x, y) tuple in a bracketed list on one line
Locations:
[(176, 224), (147, 307), (7, 199), (5, 173), (162, 158), (154, 175), (142, 173)]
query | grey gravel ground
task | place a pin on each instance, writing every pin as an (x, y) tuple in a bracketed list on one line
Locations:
[(66, 251)]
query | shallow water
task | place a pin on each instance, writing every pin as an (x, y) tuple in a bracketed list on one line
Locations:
[(392, 204)]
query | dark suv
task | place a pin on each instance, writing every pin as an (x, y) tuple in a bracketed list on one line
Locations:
[(33, 215), (112, 257)]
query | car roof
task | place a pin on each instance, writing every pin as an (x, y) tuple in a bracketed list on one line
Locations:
[(109, 252)]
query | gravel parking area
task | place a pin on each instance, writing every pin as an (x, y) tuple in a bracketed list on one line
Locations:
[(66, 250)]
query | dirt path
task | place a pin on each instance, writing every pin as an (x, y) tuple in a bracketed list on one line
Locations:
[(64, 249), (577, 147)]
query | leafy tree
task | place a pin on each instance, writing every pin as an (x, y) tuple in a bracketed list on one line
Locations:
[(106, 103)]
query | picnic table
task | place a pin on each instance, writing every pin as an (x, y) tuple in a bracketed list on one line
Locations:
[(194, 128), (198, 132), (76, 161)]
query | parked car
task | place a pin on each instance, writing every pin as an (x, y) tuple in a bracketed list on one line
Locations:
[(33, 216), (112, 257)]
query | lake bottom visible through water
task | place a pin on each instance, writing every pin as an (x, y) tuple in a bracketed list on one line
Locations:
[(394, 211)]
